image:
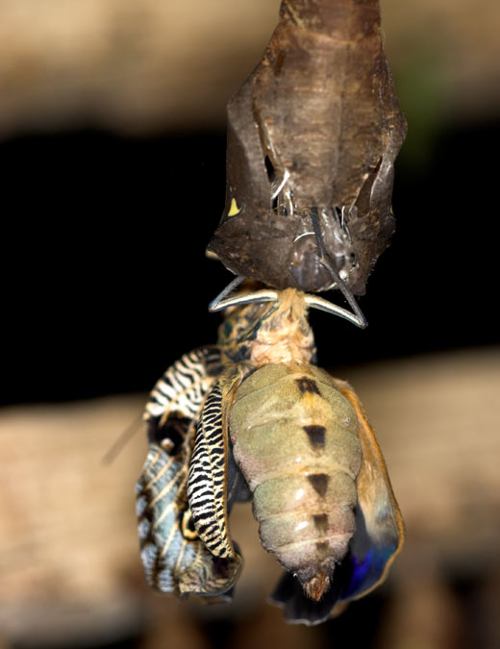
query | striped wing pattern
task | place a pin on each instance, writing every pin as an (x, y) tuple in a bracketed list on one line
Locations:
[(185, 383), (207, 478), (174, 558), (165, 553)]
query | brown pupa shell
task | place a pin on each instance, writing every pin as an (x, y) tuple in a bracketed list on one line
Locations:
[(315, 129)]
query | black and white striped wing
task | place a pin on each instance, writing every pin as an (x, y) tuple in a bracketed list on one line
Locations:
[(184, 385), (174, 557), (207, 487)]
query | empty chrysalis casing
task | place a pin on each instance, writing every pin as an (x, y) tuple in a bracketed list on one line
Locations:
[(312, 138)]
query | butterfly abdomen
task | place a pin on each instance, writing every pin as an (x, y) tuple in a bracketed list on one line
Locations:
[(295, 440)]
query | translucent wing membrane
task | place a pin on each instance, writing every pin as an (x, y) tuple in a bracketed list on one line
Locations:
[(379, 525), (174, 557)]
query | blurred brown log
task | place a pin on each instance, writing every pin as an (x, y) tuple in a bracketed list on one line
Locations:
[(425, 614), (438, 420), (67, 522), (69, 563), (143, 65)]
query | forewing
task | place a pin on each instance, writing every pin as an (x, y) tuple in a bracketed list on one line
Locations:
[(208, 472), (379, 525), (184, 385), (174, 558)]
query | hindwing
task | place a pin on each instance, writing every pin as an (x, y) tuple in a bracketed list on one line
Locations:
[(379, 533)]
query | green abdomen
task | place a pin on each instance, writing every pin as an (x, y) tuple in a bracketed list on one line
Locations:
[(295, 440)]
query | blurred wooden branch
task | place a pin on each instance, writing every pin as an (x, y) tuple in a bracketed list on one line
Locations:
[(69, 560), (145, 65)]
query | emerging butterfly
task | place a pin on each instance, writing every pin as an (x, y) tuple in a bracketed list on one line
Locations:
[(254, 418)]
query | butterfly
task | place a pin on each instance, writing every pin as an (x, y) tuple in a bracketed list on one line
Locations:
[(254, 419)]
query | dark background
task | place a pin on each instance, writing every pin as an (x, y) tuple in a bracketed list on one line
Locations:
[(106, 283)]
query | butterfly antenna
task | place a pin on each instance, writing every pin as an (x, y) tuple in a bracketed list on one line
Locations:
[(258, 297), (215, 303)]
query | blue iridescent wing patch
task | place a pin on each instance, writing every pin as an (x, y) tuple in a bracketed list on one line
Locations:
[(379, 532)]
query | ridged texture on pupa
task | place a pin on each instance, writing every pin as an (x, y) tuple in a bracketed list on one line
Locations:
[(315, 129)]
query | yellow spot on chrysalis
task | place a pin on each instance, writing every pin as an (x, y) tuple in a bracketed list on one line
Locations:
[(233, 209)]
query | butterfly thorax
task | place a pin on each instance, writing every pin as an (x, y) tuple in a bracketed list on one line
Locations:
[(286, 336), (269, 333)]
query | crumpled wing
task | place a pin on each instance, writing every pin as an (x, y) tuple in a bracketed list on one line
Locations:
[(184, 385), (379, 533), (207, 487), (174, 557)]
